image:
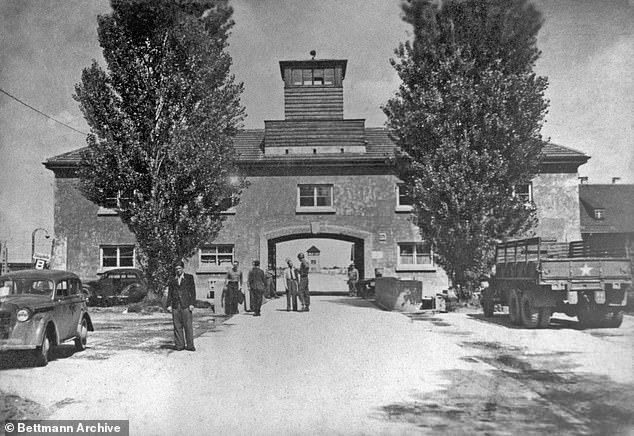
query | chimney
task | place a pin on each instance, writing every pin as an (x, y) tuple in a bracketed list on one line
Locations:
[(583, 180), (615, 180)]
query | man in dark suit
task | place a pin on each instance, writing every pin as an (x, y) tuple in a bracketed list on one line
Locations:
[(256, 281), (181, 298)]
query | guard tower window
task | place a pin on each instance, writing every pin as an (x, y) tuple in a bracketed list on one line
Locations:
[(312, 76)]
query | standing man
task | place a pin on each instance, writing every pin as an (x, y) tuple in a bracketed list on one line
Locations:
[(181, 298), (304, 293), (256, 281), (233, 287), (291, 282), (353, 279)]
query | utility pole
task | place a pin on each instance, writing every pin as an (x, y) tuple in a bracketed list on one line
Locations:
[(4, 257)]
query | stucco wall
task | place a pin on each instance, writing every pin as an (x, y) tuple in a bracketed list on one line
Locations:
[(556, 196), (78, 224), (364, 208)]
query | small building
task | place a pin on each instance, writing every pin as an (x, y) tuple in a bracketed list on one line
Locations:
[(607, 216), (312, 175), (313, 255)]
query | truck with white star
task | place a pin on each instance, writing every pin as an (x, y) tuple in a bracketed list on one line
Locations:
[(535, 277)]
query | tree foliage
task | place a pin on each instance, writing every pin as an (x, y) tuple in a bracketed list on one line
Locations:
[(162, 117), (467, 119)]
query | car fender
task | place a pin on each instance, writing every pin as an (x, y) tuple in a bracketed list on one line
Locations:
[(32, 331)]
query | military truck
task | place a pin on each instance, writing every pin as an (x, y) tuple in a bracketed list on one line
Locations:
[(536, 277)]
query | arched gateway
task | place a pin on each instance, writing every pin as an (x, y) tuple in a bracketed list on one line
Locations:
[(359, 238)]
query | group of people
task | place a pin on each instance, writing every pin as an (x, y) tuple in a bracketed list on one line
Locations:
[(259, 282), (296, 284), (181, 296)]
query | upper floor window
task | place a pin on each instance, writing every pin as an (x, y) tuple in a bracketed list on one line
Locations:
[(315, 198), (599, 214), (414, 255), (312, 76), (229, 205), (117, 256), (217, 255), (113, 204), (404, 201), (524, 192)]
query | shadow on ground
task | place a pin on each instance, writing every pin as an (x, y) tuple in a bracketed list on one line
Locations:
[(355, 302), (536, 395)]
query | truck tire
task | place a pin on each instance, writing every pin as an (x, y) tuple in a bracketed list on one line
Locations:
[(614, 320), (529, 313), (587, 317), (544, 317), (514, 307), (487, 304)]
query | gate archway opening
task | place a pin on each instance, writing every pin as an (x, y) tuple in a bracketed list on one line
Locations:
[(355, 253)]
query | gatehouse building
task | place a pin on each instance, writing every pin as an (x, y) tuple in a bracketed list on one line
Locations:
[(313, 175)]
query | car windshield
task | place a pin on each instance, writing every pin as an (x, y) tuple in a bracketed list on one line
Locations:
[(25, 286)]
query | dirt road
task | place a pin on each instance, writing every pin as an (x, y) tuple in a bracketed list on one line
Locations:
[(345, 367)]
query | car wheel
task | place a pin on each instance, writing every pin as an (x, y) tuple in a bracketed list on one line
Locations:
[(82, 335), (514, 307), (530, 314), (43, 353)]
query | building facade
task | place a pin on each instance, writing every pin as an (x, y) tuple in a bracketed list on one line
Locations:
[(314, 174)]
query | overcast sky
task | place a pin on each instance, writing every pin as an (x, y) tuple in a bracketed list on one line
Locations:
[(588, 55)]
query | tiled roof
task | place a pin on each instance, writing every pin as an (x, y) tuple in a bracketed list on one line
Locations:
[(249, 145), (616, 200)]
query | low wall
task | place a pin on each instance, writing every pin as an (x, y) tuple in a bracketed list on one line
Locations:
[(400, 295)]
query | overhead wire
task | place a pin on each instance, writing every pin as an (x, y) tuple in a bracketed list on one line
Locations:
[(41, 113)]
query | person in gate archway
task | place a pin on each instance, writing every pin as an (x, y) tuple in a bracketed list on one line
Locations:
[(353, 280), (291, 282), (304, 293)]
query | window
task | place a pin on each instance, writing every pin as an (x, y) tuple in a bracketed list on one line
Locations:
[(599, 214), (315, 197), (117, 256), (228, 205), (217, 255), (113, 204), (524, 192), (403, 199), (312, 77), (414, 255)]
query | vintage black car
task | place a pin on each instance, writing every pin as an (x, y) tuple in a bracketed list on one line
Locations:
[(40, 309), (116, 286)]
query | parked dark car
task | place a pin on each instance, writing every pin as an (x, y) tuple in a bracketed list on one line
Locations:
[(40, 309), (116, 286)]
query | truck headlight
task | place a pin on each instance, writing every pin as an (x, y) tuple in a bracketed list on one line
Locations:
[(23, 315)]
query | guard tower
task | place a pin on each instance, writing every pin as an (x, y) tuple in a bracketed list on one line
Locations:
[(313, 111)]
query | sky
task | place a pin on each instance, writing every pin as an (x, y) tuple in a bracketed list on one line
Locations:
[(587, 54)]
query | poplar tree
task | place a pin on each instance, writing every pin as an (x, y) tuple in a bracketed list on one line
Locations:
[(162, 115), (467, 119)]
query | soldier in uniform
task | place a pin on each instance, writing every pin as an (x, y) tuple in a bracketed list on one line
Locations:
[(304, 293), (257, 282)]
